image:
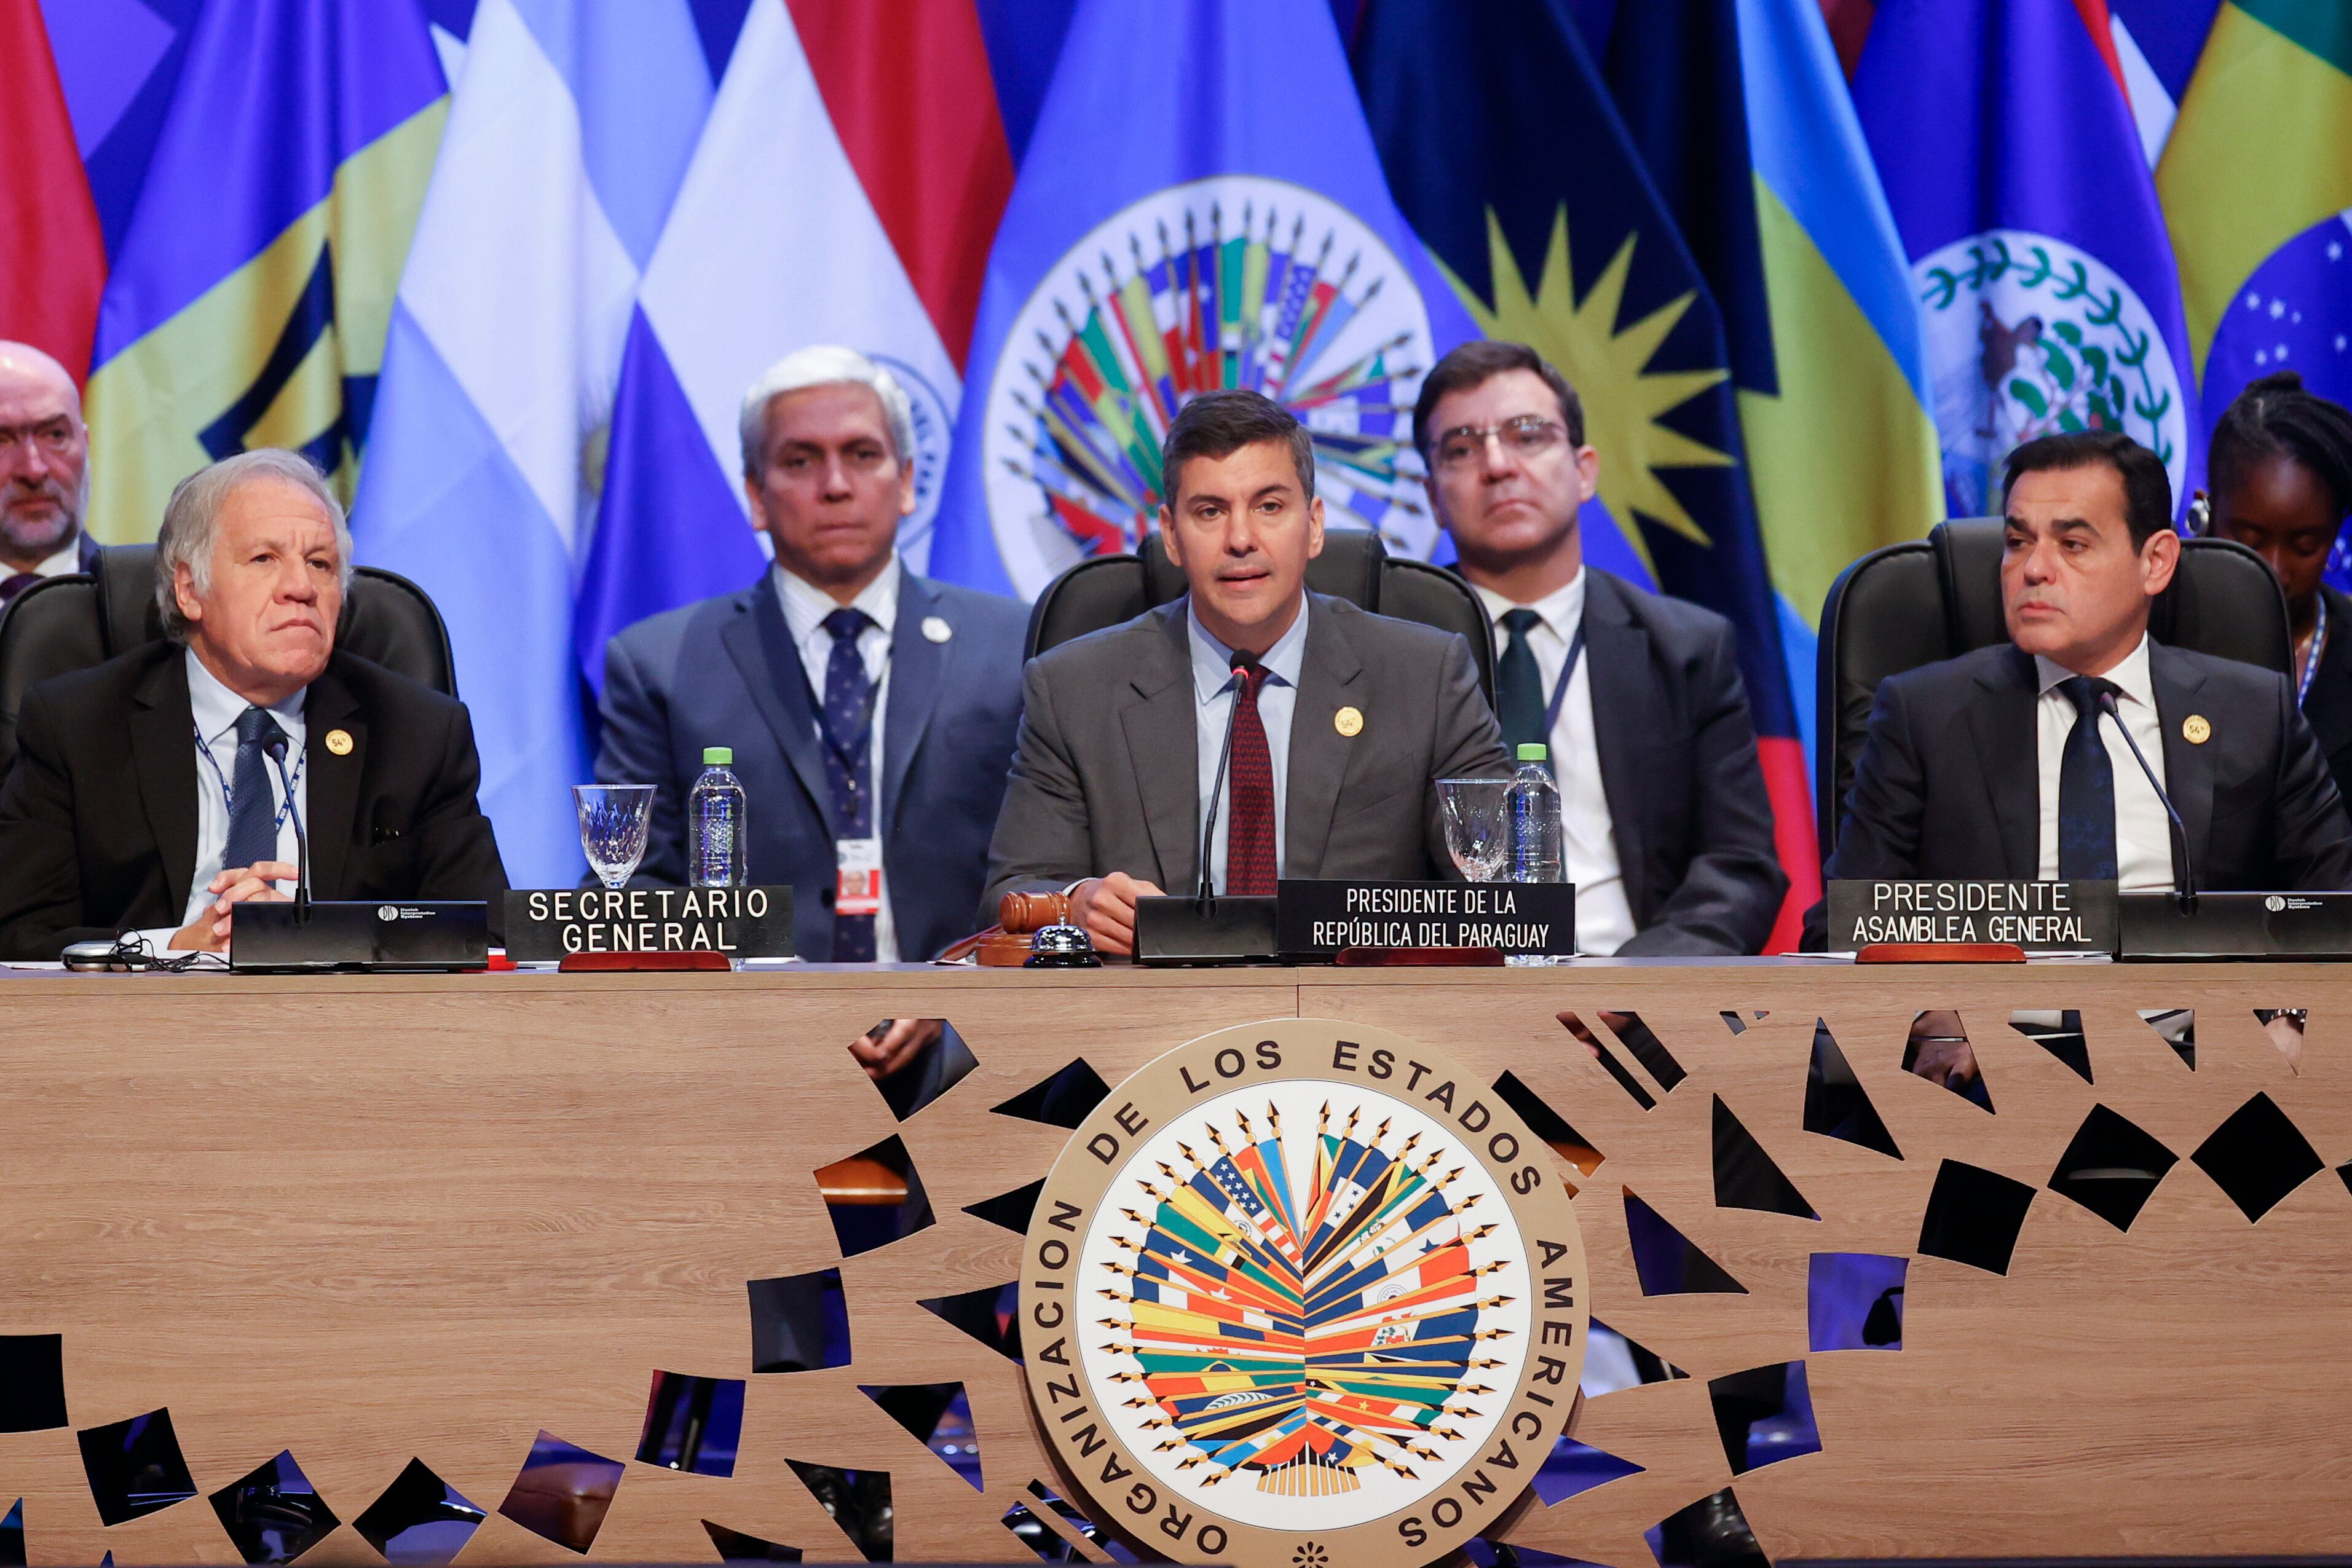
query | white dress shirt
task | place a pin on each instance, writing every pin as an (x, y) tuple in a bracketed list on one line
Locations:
[(66, 558), (1213, 687), (1604, 920), (806, 608), (2143, 833), (216, 710)]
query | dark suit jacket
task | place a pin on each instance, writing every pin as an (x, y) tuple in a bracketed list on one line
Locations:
[(1107, 776), (98, 819), (725, 672), (2328, 707), (1678, 765), (1949, 782)]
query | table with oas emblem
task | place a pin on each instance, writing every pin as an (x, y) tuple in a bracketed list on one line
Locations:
[(1302, 1263)]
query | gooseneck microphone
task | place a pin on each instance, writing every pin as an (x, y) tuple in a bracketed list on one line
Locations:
[(275, 745), (1207, 893), (2184, 875)]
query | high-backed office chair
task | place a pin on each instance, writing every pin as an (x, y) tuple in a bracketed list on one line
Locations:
[(1913, 603), (1354, 566), (71, 622)]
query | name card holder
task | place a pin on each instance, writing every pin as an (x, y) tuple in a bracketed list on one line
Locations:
[(1969, 922), (602, 930), (1366, 923)]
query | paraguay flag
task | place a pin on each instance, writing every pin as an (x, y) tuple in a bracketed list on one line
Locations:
[(843, 192), (1504, 149), (250, 292), (2019, 184), (1199, 206)]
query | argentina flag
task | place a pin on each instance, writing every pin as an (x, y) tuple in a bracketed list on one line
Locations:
[(570, 131)]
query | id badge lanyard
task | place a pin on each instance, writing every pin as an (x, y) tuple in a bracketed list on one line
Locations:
[(857, 863)]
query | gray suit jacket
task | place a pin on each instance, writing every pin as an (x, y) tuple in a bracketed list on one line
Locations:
[(1106, 775)]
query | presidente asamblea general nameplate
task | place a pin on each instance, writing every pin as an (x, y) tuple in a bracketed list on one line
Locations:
[(1303, 1293)]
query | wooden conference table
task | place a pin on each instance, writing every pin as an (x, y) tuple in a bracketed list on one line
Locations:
[(367, 1221)]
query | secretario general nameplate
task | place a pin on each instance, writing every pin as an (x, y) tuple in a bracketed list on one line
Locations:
[(1303, 1293)]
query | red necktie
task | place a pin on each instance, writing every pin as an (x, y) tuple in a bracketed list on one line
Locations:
[(1249, 828)]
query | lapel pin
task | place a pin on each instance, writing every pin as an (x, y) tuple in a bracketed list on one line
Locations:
[(937, 628), (2196, 729), (339, 741), (1349, 722)]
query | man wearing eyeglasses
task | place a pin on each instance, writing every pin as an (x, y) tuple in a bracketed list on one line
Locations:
[(44, 472), (1669, 831)]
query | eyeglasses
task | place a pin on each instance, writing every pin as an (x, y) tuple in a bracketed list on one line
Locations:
[(54, 437), (1528, 435)]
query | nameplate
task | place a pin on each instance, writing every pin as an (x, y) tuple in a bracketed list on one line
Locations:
[(1324, 916), (2039, 916), (549, 923)]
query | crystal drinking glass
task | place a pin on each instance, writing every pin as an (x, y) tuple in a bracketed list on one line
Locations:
[(613, 821), (1478, 833)]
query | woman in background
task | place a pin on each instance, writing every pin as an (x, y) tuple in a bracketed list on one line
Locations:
[(2281, 469)]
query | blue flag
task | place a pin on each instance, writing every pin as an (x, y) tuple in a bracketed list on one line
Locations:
[(1201, 206), (2038, 252)]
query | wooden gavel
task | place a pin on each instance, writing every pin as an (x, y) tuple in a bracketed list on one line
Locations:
[(1019, 916)]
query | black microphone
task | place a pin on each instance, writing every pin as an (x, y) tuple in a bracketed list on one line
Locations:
[(275, 745), (1207, 893), (2184, 876)]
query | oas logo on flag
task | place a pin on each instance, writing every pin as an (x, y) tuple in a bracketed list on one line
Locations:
[(1303, 1292), (1234, 281)]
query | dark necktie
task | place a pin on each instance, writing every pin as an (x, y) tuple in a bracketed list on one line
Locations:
[(848, 720), (2086, 789), (1249, 828), (253, 795), (17, 585), (1519, 684)]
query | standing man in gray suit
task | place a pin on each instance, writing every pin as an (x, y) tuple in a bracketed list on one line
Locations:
[(1345, 721)]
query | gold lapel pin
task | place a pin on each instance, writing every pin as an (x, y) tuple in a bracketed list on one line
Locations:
[(339, 741), (2196, 729), (1349, 722)]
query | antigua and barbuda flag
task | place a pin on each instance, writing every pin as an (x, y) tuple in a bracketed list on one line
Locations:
[(572, 126), (52, 254), (2039, 256), (248, 296), (843, 191), (1505, 151), (1199, 206)]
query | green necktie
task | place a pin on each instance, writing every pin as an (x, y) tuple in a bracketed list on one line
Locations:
[(1519, 684)]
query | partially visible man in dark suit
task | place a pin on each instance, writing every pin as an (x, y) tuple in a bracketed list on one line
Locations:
[(1669, 828), (44, 472), (1346, 719), (145, 797), (2001, 764)]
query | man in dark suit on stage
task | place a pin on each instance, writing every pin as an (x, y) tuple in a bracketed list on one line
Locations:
[(1346, 720), (2008, 762), (44, 472), (1669, 828), (150, 793)]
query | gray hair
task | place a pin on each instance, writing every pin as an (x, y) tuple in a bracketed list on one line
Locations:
[(192, 522), (822, 365)]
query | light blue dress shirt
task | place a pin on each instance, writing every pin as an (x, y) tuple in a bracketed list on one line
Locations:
[(1213, 686), (216, 709)]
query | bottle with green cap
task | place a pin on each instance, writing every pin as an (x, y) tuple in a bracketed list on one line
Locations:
[(1531, 810), (715, 822)]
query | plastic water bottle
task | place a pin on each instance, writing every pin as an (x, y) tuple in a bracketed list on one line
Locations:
[(715, 822), (1531, 807)]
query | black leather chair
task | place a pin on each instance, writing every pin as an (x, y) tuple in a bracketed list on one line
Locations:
[(71, 622), (1913, 603), (1354, 566)]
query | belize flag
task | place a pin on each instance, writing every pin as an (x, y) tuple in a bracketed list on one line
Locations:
[(843, 191), (1504, 148), (1199, 206), (2039, 254)]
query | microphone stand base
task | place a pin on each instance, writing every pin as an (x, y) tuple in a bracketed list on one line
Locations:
[(1232, 929)]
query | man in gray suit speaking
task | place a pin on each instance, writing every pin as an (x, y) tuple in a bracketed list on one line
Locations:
[(1345, 721)]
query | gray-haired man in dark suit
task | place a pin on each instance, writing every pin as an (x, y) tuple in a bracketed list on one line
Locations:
[(1347, 719)]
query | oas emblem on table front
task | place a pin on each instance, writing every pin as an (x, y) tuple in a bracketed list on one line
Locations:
[(1300, 1291)]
